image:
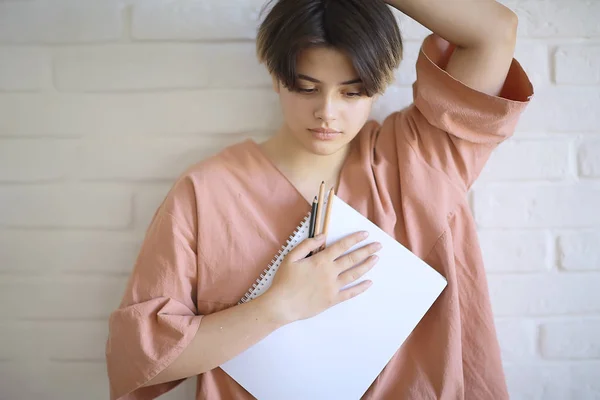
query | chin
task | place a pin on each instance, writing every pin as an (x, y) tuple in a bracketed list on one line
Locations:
[(324, 147), (324, 150)]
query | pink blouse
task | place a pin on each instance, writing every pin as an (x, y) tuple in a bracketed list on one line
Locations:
[(226, 217)]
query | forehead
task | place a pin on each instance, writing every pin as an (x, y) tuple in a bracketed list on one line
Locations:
[(326, 64)]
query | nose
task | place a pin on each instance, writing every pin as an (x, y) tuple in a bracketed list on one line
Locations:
[(326, 109)]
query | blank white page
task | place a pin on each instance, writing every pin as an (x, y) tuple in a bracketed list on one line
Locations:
[(340, 352)]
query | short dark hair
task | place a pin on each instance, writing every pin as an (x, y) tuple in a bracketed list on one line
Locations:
[(366, 31)]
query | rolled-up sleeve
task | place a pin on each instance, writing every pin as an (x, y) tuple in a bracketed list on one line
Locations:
[(453, 127), (157, 317)]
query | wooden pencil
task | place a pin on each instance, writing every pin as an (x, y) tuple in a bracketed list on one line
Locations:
[(320, 208), (327, 216)]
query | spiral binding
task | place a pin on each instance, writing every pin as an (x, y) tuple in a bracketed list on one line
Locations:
[(273, 265)]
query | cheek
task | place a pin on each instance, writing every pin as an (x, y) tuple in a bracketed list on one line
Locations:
[(358, 112), (295, 108)]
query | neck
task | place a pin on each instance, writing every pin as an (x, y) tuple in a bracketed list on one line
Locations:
[(304, 169)]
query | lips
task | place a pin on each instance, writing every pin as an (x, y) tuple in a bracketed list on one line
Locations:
[(325, 131), (325, 134)]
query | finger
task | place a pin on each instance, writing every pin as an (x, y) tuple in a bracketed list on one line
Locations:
[(357, 256), (305, 247), (341, 246), (353, 291), (353, 274)]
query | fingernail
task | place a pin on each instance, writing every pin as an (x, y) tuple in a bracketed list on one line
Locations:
[(378, 246), (364, 234)]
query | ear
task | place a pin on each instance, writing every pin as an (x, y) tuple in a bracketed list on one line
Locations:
[(276, 84)]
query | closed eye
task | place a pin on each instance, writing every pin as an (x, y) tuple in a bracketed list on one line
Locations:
[(349, 94)]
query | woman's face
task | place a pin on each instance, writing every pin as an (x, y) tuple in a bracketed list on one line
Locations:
[(331, 97)]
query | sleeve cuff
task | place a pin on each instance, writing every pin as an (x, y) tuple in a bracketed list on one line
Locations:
[(451, 105)]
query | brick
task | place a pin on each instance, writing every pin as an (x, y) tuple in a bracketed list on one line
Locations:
[(93, 383), (589, 158), (579, 251), (208, 111), (56, 206), (545, 19), (24, 69), (203, 20), (67, 381), (545, 294), (394, 99), (30, 160), (61, 340), (517, 339), (577, 64), (146, 159), (60, 22), (535, 60), (146, 201), (545, 381), (235, 65), (513, 251), (16, 382), (67, 252), (195, 20), (571, 339), (562, 109), (518, 159), (535, 205), (409, 28), (91, 378), (172, 66), (54, 381), (406, 74), (60, 297)]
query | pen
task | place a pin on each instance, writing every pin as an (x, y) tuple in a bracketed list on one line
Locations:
[(320, 208), (313, 218)]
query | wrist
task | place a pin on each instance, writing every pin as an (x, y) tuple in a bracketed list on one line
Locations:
[(273, 309)]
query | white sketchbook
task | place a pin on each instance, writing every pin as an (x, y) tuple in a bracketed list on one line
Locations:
[(340, 352)]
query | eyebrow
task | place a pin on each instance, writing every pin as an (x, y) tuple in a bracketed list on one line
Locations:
[(308, 78)]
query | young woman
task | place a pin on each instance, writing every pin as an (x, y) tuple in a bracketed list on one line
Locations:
[(227, 216)]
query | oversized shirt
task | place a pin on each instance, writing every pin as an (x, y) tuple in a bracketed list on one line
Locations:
[(226, 217)]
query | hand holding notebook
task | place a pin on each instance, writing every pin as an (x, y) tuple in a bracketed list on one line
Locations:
[(339, 352), (304, 287)]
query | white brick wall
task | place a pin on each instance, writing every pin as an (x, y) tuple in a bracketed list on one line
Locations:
[(103, 103)]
